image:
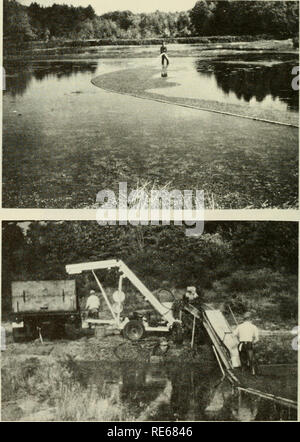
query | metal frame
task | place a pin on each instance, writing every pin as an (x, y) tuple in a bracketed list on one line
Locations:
[(223, 351), (125, 272)]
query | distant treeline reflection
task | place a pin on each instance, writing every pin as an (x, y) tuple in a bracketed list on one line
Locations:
[(246, 77), (19, 75), (257, 81)]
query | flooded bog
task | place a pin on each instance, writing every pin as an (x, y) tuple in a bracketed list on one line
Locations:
[(64, 139), (256, 80), (153, 392)]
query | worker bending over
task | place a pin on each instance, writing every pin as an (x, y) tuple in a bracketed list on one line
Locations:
[(93, 305), (247, 334), (190, 294)]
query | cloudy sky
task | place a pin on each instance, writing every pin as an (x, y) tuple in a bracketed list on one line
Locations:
[(102, 6)]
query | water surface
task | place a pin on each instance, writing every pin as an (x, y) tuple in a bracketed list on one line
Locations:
[(164, 392), (64, 139)]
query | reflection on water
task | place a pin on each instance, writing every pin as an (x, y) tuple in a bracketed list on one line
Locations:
[(20, 75), (184, 393), (65, 139), (254, 77)]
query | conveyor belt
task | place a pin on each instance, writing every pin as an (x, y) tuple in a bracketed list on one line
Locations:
[(220, 334), (225, 345)]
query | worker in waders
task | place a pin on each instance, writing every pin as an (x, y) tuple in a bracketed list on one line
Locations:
[(247, 334), (164, 59), (163, 54), (93, 305)]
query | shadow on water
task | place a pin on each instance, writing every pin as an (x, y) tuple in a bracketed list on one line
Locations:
[(182, 392), (254, 76), (20, 75)]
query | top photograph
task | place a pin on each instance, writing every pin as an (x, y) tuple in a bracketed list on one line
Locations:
[(151, 101)]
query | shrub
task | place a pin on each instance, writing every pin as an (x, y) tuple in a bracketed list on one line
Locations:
[(78, 404), (288, 306), (275, 350)]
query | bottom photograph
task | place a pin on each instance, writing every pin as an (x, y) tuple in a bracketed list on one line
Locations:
[(144, 323)]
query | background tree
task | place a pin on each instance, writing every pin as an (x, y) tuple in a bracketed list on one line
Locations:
[(275, 18), (16, 24), (202, 16), (234, 256)]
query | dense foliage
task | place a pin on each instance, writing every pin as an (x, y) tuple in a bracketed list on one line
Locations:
[(276, 18), (230, 259)]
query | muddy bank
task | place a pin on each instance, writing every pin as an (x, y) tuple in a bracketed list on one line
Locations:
[(109, 349)]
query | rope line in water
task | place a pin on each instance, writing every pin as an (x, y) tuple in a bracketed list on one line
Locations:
[(268, 396), (277, 399), (190, 106)]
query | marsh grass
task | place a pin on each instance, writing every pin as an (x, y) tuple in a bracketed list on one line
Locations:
[(78, 404), (53, 386)]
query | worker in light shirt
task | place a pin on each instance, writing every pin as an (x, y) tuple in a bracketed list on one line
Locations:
[(93, 305), (247, 334)]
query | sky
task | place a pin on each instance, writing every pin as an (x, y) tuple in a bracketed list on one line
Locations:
[(102, 6)]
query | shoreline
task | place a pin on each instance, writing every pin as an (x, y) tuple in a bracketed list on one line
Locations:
[(139, 82), (74, 360), (106, 49)]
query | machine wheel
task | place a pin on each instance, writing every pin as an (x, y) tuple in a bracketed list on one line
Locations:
[(134, 330)]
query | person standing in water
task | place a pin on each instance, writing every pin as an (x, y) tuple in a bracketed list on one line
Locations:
[(247, 334), (163, 54)]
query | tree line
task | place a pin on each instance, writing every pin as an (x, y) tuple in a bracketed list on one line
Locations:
[(240, 255), (206, 18)]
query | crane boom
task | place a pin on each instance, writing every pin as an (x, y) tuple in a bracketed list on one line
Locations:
[(212, 320), (126, 272)]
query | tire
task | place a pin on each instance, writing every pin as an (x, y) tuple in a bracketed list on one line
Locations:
[(134, 330)]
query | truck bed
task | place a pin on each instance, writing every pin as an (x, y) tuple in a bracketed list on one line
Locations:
[(44, 296)]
